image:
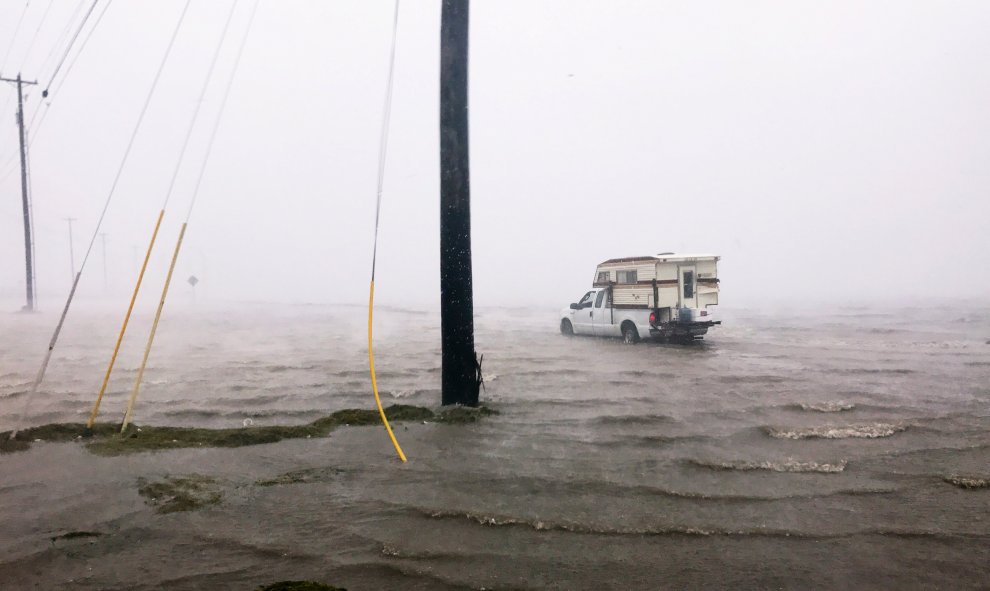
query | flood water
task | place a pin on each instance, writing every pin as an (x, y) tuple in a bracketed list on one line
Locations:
[(795, 450)]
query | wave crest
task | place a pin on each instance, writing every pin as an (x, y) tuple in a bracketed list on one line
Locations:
[(968, 482), (787, 465), (827, 406), (543, 525), (867, 431), (674, 530)]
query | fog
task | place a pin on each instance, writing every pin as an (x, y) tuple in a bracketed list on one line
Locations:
[(829, 152)]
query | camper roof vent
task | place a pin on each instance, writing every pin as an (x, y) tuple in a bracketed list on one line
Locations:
[(663, 253)]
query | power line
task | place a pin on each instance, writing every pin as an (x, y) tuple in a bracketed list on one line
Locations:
[(199, 103), (17, 31), (13, 155), (223, 105), (82, 47), (68, 48), (61, 36), (34, 37), (9, 163), (383, 140)]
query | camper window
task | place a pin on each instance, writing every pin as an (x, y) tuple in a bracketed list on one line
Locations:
[(603, 277), (688, 284), (625, 276)]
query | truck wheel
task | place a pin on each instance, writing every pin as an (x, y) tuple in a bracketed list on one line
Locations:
[(565, 328), (629, 332)]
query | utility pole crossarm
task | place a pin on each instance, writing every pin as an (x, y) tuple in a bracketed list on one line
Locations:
[(18, 81)]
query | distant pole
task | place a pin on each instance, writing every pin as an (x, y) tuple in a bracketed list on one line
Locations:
[(103, 243), (25, 199), (193, 280), (72, 251), (460, 368)]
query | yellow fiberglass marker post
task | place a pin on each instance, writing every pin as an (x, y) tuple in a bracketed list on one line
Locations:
[(154, 328), (374, 382), (123, 328)]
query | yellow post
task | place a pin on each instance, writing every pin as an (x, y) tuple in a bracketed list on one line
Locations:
[(127, 318), (374, 382), (154, 328)]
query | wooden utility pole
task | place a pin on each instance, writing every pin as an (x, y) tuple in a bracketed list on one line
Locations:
[(72, 250), (103, 240), (25, 198), (461, 370)]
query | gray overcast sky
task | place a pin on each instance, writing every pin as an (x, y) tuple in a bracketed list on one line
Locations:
[(827, 150)]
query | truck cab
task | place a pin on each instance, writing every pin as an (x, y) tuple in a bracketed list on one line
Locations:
[(594, 315)]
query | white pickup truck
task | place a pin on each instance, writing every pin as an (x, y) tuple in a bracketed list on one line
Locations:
[(666, 296)]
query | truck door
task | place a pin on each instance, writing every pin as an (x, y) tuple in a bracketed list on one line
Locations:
[(688, 285), (583, 317), (603, 313)]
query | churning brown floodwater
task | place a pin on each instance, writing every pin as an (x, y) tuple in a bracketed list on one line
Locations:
[(848, 449)]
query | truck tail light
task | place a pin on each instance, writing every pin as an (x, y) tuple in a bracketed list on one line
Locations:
[(704, 312), (653, 317)]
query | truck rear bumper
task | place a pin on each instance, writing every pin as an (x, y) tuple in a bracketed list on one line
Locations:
[(682, 329)]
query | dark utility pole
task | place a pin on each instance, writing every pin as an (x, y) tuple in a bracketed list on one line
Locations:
[(461, 370), (25, 199)]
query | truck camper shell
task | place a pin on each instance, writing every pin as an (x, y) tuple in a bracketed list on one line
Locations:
[(666, 280), (666, 296)]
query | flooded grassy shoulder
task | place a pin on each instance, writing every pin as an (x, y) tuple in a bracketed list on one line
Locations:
[(54, 432), (104, 439), (150, 438), (459, 415)]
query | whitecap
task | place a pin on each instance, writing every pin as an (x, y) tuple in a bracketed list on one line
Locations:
[(867, 431), (788, 465), (968, 482), (828, 406)]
